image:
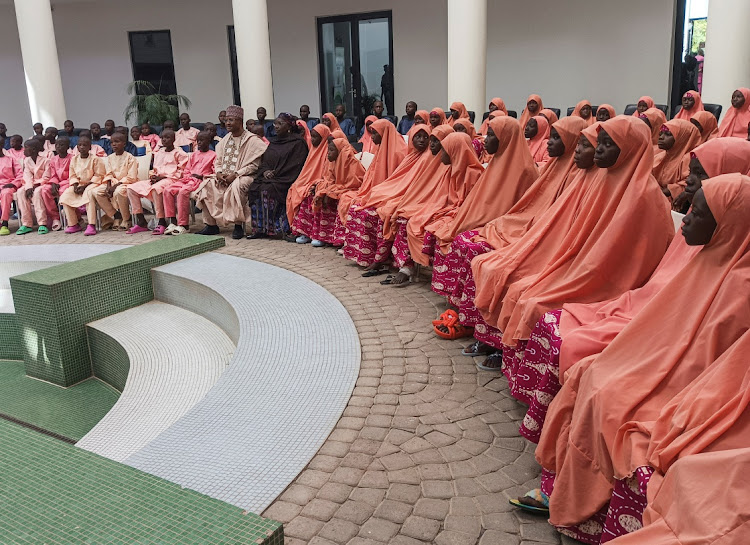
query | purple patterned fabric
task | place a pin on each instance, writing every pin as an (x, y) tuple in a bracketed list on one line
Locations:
[(304, 221), (365, 244), (400, 249), (327, 226)]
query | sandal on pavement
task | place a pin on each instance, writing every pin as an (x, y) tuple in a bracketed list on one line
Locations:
[(537, 496), (455, 329)]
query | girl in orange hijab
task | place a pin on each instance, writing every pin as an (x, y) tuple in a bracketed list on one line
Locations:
[(601, 238), (364, 240), (689, 324), (452, 275), (605, 112), (367, 144), (462, 174), (299, 199), (437, 117), (534, 106), (677, 139), (550, 115), (643, 104), (655, 119), (330, 121), (587, 329), (583, 110), (305, 132), (737, 118), (344, 176), (496, 105), (422, 116), (458, 111), (466, 126), (536, 132), (691, 105), (391, 150), (707, 125)]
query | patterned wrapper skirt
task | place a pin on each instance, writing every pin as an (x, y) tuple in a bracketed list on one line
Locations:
[(451, 273), (400, 249), (327, 226), (623, 514), (304, 220), (268, 215), (364, 242)]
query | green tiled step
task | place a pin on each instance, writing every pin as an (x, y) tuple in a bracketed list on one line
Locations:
[(70, 412), (55, 493), (53, 305)]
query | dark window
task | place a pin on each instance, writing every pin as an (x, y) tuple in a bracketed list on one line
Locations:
[(233, 62), (151, 55)]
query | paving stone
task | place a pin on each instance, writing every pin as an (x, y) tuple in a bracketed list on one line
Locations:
[(370, 496), (504, 522), (430, 456), (365, 446), (435, 472), (302, 528), (282, 511), (494, 537), (335, 492), (468, 487), (463, 469), (407, 493), (394, 511), (347, 475), (449, 537), (357, 460), (296, 493), (495, 482), (416, 444), (420, 528), (355, 511), (338, 530), (322, 510), (464, 507), (432, 508), (408, 476), (396, 461), (437, 489), (379, 529), (313, 479), (324, 463), (375, 479), (541, 533)]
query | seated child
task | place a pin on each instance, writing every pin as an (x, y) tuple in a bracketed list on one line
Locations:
[(185, 137), (95, 148), (68, 130), (211, 129), (121, 170), (16, 148), (34, 167), (258, 130), (199, 165), (142, 146), (86, 173), (169, 162), (97, 139), (50, 136), (38, 130), (11, 178), (109, 129), (55, 181), (151, 138)]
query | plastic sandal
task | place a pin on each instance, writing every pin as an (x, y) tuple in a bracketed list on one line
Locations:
[(137, 229), (498, 355), (477, 349), (536, 495), (455, 330), (374, 272), (450, 313)]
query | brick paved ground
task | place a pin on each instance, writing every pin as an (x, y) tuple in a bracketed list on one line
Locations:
[(427, 450)]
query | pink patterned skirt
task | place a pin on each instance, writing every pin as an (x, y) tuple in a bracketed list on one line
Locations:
[(623, 515), (451, 273), (400, 249), (327, 226), (304, 220), (365, 244)]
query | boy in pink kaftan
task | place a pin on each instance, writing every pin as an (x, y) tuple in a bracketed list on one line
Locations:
[(112, 195), (34, 167), (186, 136), (169, 162), (11, 178), (55, 182), (177, 196)]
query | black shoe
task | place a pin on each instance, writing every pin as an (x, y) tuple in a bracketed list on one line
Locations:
[(257, 235), (209, 230), (238, 232)]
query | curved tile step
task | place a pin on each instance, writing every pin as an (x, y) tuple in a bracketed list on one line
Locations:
[(292, 374), (176, 357)]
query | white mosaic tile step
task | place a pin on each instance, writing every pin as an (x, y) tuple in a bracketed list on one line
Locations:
[(292, 374), (176, 357)]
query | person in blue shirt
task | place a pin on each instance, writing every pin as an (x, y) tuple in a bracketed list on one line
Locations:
[(347, 125), (213, 133), (221, 128), (68, 130), (304, 115), (129, 146), (96, 138), (268, 128), (407, 122), (4, 134)]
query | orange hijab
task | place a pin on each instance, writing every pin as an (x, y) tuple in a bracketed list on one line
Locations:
[(538, 144), (671, 167), (587, 329), (648, 100), (315, 168), (500, 104), (592, 118), (305, 133), (393, 188), (656, 120), (595, 260), (680, 333), (345, 173), (334, 122), (338, 133), (430, 182), (388, 156), (609, 108), (424, 115), (555, 177), (462, 112), (465, 170), (709, 125), (441, 114), (468, 125), (507, 176), (526, 114), (367, 144), (736, 120), (698, 107), (550, 115)]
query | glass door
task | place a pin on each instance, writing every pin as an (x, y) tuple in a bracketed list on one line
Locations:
[(355, 54)]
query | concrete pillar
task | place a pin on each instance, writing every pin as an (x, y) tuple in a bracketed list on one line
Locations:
[(40, 65), (727, 64), (467, 54), (253, 55)]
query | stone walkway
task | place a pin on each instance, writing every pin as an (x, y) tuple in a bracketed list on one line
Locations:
[(427, 450)]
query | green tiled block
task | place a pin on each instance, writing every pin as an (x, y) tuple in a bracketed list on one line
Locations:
[(10, 338), (54, 304), (53, 492), (109, 359)]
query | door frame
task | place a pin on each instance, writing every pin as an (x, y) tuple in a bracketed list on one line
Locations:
[(354, 19)]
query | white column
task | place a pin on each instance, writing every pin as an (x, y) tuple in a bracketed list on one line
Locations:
[(40, 65), (467, 54), (727, 64), (253, 55)]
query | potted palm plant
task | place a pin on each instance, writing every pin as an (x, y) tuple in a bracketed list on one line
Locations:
[(149, 105)]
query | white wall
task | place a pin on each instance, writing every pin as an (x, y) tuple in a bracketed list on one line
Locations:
[(608, 52), (14, 102)]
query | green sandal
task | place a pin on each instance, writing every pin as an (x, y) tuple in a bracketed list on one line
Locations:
[(24, 230), (42, 230)]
